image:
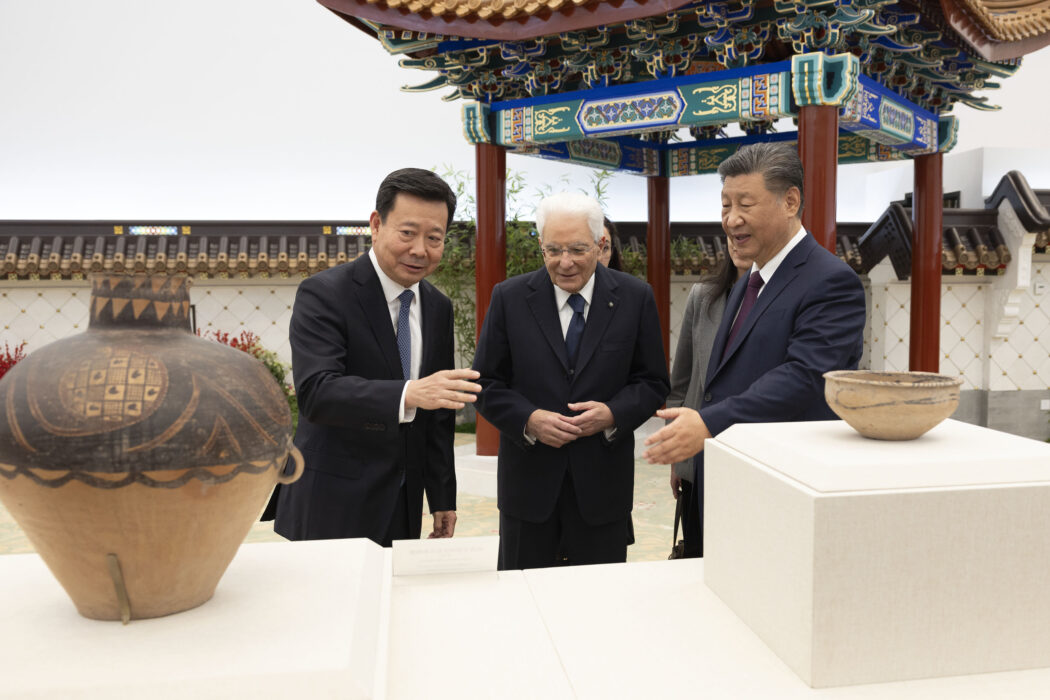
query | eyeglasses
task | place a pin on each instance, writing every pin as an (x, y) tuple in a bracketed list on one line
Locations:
[(576, 252)]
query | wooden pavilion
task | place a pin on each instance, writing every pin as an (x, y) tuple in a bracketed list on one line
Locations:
[(613, 85)]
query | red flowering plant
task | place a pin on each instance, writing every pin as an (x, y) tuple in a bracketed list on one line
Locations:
[(9, 358), (250, 343)]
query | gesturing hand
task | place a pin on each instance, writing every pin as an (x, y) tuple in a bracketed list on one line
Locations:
[(596, 417), (551, 428), (680, 439), (444, 524), (448, 388)]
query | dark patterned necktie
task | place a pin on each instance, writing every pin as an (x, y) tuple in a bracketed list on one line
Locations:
[(754, 284), (404, 335), (575, 331)]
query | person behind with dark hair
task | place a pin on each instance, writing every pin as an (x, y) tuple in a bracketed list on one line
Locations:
[(703, 314), (610, 255), (800, 313), (372, 359)]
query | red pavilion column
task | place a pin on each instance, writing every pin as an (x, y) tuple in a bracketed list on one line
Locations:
[(927, 218), (658, 245), (818, 147), (490, 253)]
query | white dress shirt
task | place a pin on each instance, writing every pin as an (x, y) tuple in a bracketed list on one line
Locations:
[(565, 312), (391, 291), (773, 263)]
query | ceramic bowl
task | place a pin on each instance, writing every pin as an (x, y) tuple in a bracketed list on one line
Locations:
[(891, 405)]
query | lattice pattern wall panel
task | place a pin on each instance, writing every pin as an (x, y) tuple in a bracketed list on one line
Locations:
[(889, 319), (962, 332), (968, 349), (963, 350), (41, 314), (1022, 360), (264, 309)]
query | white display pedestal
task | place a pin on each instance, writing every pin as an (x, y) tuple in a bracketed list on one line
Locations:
[(304, 620), (862, 561), (618, 632), (308, 620)]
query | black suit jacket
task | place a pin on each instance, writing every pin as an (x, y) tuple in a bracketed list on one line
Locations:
[(348, 380), (523, 364)]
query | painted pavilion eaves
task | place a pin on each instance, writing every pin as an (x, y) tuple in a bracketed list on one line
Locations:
[(620, 84)]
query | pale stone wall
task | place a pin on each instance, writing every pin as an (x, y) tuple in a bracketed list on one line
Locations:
[(995, 333)]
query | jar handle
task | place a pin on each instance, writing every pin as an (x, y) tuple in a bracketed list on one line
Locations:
[(300, 463)]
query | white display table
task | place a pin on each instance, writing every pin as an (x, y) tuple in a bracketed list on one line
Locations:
[(307, 620), (619, 631), (328, 619), (862, 561)]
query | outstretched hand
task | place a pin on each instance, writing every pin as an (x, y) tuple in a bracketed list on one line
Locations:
[(449, 388), (679, 440)]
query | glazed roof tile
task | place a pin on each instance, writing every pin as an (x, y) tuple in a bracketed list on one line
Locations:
[(498, 19)]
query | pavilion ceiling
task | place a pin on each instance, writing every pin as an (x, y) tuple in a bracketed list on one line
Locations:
[(934, 54)]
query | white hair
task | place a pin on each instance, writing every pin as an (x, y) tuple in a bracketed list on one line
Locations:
[(572, 204)]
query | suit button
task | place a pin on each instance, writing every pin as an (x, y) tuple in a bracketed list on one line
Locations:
[(707, 396), (572, 372)]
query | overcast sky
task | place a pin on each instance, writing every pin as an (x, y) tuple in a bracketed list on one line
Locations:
[(274, 109)]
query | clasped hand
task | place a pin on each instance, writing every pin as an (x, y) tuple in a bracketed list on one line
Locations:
[(556, 429), (449, 388)]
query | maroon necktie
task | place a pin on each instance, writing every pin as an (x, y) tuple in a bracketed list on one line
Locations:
[(754, 284)]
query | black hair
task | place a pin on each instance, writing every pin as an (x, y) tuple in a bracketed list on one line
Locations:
[(615, 259), (779, 164), (418, 183), (721, 280)]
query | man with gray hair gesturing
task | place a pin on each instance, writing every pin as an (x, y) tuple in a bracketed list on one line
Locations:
[(799, 314), (571, 362)]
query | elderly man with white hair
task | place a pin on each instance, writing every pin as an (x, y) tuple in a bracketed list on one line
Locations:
[(571, 362)]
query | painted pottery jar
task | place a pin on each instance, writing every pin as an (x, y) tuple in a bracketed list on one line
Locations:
[(136, 456)]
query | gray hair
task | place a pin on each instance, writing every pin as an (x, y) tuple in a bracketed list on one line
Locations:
[(778, 163), (572, 204)]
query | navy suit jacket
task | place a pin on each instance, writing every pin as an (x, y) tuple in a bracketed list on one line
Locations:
[(349, 381), (809, 319), (524, 366)]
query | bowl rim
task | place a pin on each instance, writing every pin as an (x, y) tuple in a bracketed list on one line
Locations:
[(871, 377)]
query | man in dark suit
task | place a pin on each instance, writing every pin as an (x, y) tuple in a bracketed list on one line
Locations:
[(571, 363), (799, 314), (372, 358)]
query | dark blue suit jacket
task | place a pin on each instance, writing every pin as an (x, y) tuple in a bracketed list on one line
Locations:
[(348, 380), (809, 319), (523, 364)]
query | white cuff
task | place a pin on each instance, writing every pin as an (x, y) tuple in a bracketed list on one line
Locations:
[(405, 415), (609, 433)]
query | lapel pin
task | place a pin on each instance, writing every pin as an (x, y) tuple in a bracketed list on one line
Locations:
[(610, 304)]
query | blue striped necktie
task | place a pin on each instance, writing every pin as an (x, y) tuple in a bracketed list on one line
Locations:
[(404, 334)]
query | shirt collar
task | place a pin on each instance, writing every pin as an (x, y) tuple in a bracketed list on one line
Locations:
[(391, 289), (561, 297), (771, 266)]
